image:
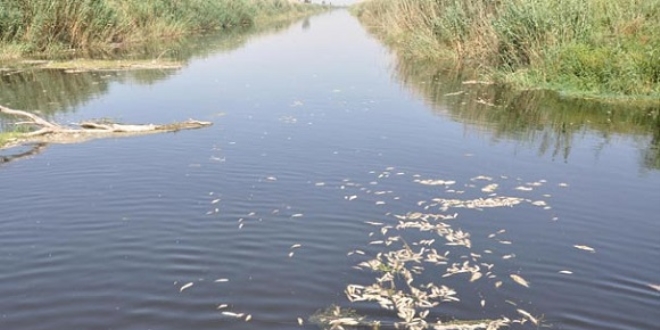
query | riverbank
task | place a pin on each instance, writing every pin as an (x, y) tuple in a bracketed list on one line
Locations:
[(57, 28), (583, 48)]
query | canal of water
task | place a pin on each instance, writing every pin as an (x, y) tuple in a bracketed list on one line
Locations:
[(326, 152)]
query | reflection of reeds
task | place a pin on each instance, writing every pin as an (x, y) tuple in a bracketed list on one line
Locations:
[(50, 91), (541, 118)]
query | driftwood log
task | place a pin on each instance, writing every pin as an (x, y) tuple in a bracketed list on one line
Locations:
[(41, 132)]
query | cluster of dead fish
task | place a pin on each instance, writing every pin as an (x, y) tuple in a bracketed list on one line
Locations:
[(417, 244)]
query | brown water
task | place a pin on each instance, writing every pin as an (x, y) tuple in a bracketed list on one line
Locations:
[(318, 129)]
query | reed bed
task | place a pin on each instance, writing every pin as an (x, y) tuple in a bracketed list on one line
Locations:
[(594, 47), (46, 26)]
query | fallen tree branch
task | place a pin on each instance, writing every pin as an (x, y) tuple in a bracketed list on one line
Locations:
[(47, 132), (36, 120)]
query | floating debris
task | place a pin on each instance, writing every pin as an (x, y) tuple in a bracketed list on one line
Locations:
[(185, 286), (455, 93), (518, 279), (528, 316), (490, 188), (435, 182), (412, 247), (232, 314), (585, 248)]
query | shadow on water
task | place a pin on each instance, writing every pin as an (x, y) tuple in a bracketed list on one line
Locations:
[(543, 119)]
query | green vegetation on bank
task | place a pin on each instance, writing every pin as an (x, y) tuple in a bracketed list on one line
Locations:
[(601, 48), (47, 27)]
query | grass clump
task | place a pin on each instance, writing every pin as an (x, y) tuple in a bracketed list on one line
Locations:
[(44, 27), (589, 47)]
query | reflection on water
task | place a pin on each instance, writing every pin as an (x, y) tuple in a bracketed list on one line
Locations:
[(51, 91), (316, 144), (540, 118)]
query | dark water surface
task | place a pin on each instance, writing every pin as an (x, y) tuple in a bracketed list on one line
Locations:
[(317, 130)]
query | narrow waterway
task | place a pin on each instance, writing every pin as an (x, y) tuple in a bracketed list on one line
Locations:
[(323, 142)]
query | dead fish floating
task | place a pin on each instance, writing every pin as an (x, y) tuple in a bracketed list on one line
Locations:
[(186, 286), (232, 314), (585, 248), (518, 279)]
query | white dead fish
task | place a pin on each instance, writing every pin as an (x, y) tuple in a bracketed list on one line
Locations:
[(221, 280), (585, 248), (185, 286), (518, 279), (565, 272), (248, 318), (294, 246), (490, 188), (300, 321), (475, 276), (655, 286), (529, 316), (232, 314), (297, 215), (223, 306), (215, 201)]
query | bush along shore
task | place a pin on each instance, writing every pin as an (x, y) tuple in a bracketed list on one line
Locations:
[(608, 49), (45, 28)]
